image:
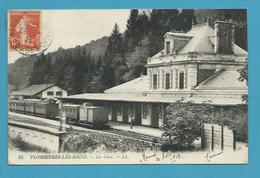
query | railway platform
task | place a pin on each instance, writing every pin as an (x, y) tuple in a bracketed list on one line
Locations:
[(155, 132)]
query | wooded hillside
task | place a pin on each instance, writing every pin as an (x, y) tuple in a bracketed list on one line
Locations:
[(120, 57)]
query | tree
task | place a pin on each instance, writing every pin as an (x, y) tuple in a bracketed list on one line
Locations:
[(114, 65), (95, 85), (183, 122), (244, 78), (137, 60), (162, 21), (39, 70), (131, 29), (239, 121), (69, 79), (235, 117)]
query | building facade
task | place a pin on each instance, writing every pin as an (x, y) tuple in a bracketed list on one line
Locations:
[(40, 91), (200, 66)]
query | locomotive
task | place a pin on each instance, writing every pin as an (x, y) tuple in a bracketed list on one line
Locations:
[(85, 114)]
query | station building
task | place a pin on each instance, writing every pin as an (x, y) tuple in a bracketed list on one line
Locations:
[(200, 66)]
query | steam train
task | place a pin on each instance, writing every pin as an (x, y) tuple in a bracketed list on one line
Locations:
[(87, 114)]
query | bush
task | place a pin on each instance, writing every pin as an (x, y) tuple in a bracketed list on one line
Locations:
[(91, 141), (236, 118), (183, 122)]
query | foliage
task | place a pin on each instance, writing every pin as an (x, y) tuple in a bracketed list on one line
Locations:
[(136, 60), (183, 122), (236, 118), (244, 77), (49, 68), (22, 145), (78, 141)]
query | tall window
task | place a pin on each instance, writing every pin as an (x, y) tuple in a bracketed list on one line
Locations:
[(119, 109), (155, 81), (131, 110), (145, 111), (167, 47), (181, 80), (167, 81), (159, 110)]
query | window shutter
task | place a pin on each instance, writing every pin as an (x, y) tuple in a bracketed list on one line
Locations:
[(176, 78)]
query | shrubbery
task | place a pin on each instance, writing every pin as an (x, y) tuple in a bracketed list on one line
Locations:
[(236, 118), (90, 141), (184, 120)]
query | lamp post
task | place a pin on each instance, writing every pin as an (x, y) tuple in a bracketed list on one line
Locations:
[(62, 115), (132, 117)]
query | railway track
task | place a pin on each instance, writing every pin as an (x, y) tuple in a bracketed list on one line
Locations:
[(138, 136), (129, 134), (31, 121), (133, 135)]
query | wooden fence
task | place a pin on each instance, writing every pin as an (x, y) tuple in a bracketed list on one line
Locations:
[(217, 137)]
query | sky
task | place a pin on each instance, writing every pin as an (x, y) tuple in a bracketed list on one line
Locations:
[(69, 28)]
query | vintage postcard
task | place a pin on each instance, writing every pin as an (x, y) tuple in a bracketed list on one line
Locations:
[(127, 86)]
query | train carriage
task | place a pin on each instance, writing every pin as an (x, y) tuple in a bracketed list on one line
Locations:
[(72, 112), (17, 105), (94, 115), (41, 108), (85, 114), (29, 107)]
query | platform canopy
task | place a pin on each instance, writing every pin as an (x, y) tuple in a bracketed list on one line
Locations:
[(217, 99)]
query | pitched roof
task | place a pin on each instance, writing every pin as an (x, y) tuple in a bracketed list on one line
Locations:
[(202, 41), (137, 90), (223, 80), (137, 85), (32, 90)]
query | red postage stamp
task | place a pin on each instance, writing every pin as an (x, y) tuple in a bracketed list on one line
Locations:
[(24, 30)]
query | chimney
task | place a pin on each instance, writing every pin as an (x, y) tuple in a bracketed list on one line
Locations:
[(224, 37)]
